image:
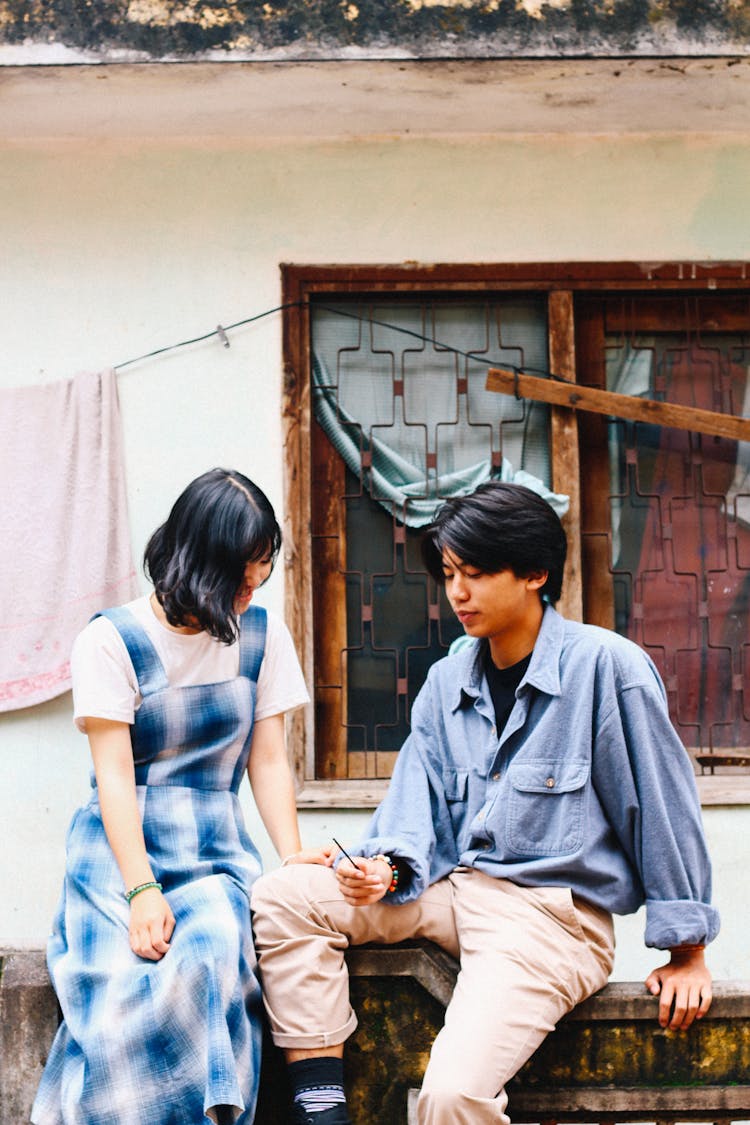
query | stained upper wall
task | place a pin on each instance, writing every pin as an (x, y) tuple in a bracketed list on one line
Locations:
[(149, 30), (202, 104)]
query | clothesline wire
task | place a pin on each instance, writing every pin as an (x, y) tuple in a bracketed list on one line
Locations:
[(221, 332)]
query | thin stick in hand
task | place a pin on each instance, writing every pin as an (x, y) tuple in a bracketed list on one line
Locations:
[(345, 853)]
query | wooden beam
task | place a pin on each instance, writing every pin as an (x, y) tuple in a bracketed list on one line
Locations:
[(566, 471), (596, 515), (298, 578), (621, 406)]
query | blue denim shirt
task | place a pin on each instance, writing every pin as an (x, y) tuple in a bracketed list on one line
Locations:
[(588, 786)]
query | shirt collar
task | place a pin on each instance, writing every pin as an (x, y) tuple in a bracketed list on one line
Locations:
[(543, 671)]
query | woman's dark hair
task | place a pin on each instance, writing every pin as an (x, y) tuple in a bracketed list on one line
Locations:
[(499, 527), (196, 560)]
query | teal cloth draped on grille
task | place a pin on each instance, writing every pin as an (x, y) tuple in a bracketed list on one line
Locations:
[(408, 490), (162, 1042)]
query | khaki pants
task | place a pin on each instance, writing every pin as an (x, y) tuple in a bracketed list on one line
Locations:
[(527, 956)]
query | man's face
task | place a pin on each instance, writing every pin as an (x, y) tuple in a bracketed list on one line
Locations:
[(499, 606)]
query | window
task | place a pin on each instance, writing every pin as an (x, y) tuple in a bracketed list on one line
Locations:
[(387, 411)]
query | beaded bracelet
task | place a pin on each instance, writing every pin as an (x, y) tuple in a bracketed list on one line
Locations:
[(141, 887), (394, 872)]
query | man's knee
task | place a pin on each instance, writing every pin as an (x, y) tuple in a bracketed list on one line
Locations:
[(265, 890), (290, 884), (266, 896), (283, 901), (277, 899)]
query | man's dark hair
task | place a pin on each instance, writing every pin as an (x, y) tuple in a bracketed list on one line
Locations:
[(196, 559), (499, 527)]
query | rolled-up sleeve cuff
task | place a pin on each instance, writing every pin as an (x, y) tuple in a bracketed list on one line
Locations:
[(418, 880), (669, 924)]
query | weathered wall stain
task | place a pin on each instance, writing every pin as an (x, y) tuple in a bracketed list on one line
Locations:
[(191, 28)]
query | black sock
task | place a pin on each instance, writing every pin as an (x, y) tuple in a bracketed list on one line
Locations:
[(318, 1083)]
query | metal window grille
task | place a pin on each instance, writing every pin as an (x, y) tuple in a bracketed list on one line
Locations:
[(412, 375)]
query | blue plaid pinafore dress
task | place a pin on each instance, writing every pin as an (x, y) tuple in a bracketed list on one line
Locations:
[(161, 1042)]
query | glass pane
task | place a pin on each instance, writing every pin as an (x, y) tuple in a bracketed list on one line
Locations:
[(411, 374), (680, 520), (404, 386)]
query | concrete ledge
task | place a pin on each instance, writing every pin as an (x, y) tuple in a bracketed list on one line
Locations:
[(621, 1000), (607, 1059), (28, 1019)]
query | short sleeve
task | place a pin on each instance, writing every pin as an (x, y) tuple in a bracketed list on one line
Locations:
[(104, 680), (281, 685)]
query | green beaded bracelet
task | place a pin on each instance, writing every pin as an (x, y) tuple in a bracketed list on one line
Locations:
[(141, 887)]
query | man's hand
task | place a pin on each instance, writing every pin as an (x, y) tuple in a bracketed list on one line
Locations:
[(364, 883), (684, 987), (151, 924)]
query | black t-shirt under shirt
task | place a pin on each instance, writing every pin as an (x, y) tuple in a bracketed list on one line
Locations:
[(502, 683)]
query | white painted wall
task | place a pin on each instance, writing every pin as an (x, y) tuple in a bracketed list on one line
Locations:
[(110, 250)]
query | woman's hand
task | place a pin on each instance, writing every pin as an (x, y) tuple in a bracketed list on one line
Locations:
[(151, 924), (324, 856), (365, 881)]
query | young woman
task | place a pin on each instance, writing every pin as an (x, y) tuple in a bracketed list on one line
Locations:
[(151, 953)]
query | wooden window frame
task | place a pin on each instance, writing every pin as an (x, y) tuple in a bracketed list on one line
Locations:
[(560, 282)]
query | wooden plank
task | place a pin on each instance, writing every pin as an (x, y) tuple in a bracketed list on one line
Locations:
[(295, 416), (330, 762), (723, 789), (359, 793), (566, 473), (328, 487), (500, 277), (330, 661), (385, 762), (329, 643), (596, 517), (328, 522), (621, 406), (632, 317)]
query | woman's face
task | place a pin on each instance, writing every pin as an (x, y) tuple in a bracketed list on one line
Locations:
[(255, 575)]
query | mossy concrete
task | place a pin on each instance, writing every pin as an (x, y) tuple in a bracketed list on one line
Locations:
[(608, 1058), (158, 29)]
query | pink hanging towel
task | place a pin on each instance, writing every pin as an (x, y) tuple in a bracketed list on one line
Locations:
[(65, 539)]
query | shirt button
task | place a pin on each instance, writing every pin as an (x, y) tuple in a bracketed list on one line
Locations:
[(550, 783), (496, 777)]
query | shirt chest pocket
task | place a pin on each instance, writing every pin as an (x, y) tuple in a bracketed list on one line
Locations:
[(454, 784), (546, 807)]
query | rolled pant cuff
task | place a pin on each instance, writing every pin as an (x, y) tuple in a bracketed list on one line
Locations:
[(317, 1038)]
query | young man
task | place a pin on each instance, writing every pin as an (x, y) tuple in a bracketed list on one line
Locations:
[(542, 788)]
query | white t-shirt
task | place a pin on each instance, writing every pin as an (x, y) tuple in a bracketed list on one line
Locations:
[(104, 680)]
